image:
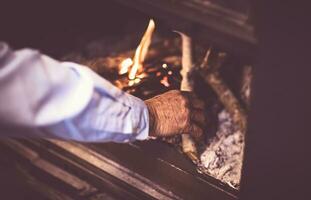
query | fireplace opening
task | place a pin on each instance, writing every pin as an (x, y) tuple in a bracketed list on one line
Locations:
[(220, 153), (142, 54)]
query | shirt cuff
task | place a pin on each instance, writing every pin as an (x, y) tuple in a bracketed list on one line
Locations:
[(140, 116)]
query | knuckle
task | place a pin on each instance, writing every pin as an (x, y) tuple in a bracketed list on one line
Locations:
[(187, 115), (197, 132), (174, 92), (184, 124), (183, 101)]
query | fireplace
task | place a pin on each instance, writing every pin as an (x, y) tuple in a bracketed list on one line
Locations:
[(105, 36), (147, 169)]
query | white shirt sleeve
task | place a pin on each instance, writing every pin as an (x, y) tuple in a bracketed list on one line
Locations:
[(41, 97)]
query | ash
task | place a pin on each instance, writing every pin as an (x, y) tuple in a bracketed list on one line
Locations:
[(223, 155)]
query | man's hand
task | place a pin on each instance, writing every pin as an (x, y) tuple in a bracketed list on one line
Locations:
[(176, 112)]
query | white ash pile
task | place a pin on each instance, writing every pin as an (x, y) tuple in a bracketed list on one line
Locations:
[(223, 155)]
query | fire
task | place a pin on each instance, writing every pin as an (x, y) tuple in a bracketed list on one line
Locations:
[(142, 49), (165, 82), (125, 65), (133, 82), (140, 54)]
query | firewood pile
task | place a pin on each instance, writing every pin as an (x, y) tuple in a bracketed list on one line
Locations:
[(220, 80)]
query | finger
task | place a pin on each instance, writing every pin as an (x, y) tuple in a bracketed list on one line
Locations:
[(198, 117), (196, 132), (197, 103), (194, 100)]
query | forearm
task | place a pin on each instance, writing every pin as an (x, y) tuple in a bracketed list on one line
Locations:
[(64, 100), (37, 90), (111, 115)]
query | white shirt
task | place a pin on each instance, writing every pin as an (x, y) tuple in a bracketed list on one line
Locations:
[(41, 97)]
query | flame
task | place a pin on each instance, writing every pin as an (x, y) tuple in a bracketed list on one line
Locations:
[(141, 51), (142, 75), (134, 81), (125, 65)]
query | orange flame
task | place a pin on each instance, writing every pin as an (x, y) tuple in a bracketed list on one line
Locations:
[(125, 65), (141, 51)]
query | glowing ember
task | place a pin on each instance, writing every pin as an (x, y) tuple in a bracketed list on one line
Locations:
[(142, 49), (164, 81), (125, 65), (136, 80), (133, 82)]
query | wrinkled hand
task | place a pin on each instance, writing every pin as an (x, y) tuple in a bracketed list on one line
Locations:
[(176, 112)]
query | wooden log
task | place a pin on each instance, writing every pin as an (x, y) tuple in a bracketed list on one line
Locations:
[(210, 66), (188, 144), (247, 77)]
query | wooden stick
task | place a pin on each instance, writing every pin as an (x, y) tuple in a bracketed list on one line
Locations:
[(246, 84), (210, 66), (188, 144)]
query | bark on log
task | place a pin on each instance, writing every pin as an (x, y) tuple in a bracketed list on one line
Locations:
[(246, 84), (210, 66), (188, 144)]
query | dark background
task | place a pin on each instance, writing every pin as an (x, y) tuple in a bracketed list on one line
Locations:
[(54, 26), (277, 153)]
